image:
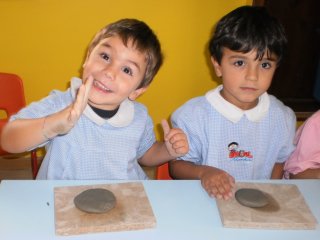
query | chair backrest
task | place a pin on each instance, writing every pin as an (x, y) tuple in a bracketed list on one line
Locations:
[(163, 172), (12, 97), (2, 123)]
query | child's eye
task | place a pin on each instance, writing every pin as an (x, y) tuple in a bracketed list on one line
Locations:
[(127, 71), (266, 65), (239, 63), (105, 56)]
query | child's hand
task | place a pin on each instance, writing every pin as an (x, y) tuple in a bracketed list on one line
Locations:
[(175, 140), (63, 121), (80, 102), (217, 183)]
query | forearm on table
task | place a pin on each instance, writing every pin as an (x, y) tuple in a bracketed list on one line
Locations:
[(180, 169), (22, 134)]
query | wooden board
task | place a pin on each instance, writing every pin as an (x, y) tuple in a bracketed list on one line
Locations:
[(287, 209), (132, 212)]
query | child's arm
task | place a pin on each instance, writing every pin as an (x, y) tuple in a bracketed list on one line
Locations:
[(304, 162), (277, 171), (175, 145), (23, 134), (216, 182), (307, 174)]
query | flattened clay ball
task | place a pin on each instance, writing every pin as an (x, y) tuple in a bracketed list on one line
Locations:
[(250, 197), (95, 200)]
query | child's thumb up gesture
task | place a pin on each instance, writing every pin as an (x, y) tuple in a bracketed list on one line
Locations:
[(175, 139)]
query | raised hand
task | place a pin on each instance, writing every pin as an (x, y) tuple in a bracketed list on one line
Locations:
[(175, 139), (63, 121), (80, 102)]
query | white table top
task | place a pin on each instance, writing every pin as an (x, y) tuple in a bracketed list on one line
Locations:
[(182, 208)]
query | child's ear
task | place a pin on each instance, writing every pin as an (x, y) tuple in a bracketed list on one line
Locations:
[(136, 93), (216, 66)]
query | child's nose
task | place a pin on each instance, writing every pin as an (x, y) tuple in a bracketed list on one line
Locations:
[(109, 71), (252, 73)]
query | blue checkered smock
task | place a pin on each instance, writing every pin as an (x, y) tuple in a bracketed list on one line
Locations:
[(95, 148), (245, 148)]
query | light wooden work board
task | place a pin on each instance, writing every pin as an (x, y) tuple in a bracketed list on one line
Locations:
[(287, 209), (132, 211)]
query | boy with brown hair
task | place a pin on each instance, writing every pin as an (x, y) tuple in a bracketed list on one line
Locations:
[(95, 129)]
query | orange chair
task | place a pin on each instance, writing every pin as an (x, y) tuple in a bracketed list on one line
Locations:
[(163, 172), (12, 99)]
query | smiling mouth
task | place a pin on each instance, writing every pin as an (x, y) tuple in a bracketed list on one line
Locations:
[(101, 87)]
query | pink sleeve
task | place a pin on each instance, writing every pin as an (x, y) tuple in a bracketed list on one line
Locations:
[(307, 152)]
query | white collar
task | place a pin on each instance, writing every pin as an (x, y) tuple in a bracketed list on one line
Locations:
[(122, 118), (233, 113)]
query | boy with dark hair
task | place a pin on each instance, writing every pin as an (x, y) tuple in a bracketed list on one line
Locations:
[(238, 131), (95, 129)]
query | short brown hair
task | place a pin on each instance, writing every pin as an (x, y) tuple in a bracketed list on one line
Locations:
[(143, 38)]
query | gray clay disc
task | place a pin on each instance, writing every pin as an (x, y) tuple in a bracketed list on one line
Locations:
[(250, 197), (96, 200)]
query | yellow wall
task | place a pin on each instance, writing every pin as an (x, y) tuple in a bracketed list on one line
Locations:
[(44, 41)]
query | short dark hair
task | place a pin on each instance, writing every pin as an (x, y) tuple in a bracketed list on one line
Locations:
[(143, 38), (248, 28)]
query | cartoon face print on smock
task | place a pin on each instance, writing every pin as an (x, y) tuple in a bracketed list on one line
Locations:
[(236, 154)]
